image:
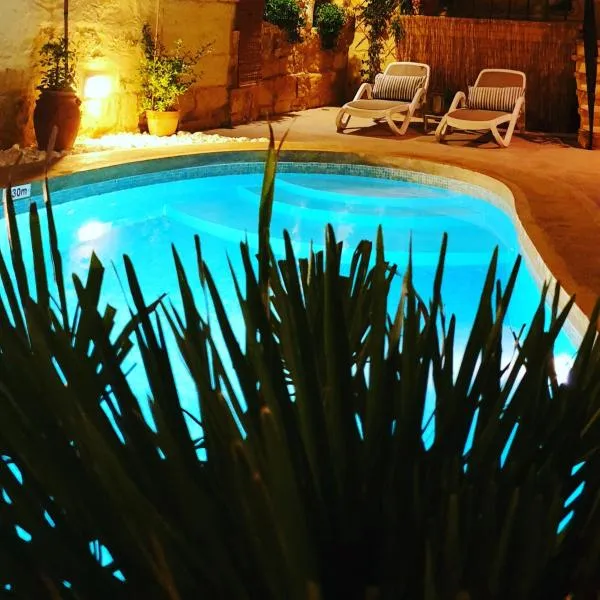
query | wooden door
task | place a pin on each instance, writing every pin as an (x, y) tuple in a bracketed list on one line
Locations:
[(249, 18)]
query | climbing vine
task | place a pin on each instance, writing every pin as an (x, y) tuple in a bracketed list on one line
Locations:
[(380, 18)]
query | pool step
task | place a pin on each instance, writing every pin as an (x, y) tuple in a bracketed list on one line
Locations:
[(413, 200), (402, 214), (236, 235)]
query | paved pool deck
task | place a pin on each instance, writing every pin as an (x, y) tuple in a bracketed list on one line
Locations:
[(556, 186)]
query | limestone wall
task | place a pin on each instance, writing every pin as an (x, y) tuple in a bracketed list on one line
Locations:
[(106, 32), (294, 76), (196, 22)]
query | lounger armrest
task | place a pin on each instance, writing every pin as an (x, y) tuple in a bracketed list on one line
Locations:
[(365, 88), (518, 106), (459, 99), (418, 99)]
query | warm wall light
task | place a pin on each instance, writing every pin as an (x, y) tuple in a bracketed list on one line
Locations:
[(97, 87)]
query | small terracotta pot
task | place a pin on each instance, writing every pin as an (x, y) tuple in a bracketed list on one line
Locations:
[(162, 123), (60, 108)]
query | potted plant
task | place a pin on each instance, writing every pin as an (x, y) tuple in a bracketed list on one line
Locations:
[(57, 104), (165, 76)]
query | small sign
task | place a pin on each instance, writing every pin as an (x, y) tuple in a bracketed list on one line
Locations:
[(19, 192)]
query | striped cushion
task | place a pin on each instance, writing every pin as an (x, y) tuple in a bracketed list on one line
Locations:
[(397, 87), (494, 98)]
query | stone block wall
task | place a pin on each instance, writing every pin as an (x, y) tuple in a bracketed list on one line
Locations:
[(106, 33), (582, 99), (103, 33), (294, 76), (206, 104), (16, 105)]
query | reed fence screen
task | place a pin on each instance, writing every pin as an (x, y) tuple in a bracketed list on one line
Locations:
[(534, 10), (457, 49)]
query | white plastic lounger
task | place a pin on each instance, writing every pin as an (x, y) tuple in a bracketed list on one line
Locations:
[(497, 98), (399, 92)]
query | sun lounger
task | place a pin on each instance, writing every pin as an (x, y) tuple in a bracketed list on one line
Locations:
[(497, 98), (399, 92)]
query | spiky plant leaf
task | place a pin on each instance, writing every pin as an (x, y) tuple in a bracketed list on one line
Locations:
[(311, 477)]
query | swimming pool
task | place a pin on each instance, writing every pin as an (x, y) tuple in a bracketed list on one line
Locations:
[(142, 215)]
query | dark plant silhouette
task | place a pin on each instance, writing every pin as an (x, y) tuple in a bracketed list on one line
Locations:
[(311, 478)]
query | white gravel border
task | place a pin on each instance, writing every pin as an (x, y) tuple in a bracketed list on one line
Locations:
[(122, 141)]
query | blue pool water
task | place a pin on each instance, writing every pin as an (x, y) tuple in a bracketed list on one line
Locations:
[(144, 220)]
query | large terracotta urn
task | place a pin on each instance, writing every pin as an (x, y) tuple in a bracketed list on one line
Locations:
[(61, 108)]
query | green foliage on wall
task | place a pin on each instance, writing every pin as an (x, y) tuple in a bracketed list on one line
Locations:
[(381, 18), (286, 14), (329, 21)]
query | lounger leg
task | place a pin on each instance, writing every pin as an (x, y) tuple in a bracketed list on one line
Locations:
[(340, 122), (440, 132), (503, 142), (406, 123), (510, 131), (393, 125)]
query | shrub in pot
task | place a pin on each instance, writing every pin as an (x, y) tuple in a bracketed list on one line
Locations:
[(329, 20), (165, 76), (57, 104)]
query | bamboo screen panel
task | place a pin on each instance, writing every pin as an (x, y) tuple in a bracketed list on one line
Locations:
[(536, 10), (457, 49), (249, 15)]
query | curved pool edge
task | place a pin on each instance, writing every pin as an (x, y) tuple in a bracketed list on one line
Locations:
[(512, 200)]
